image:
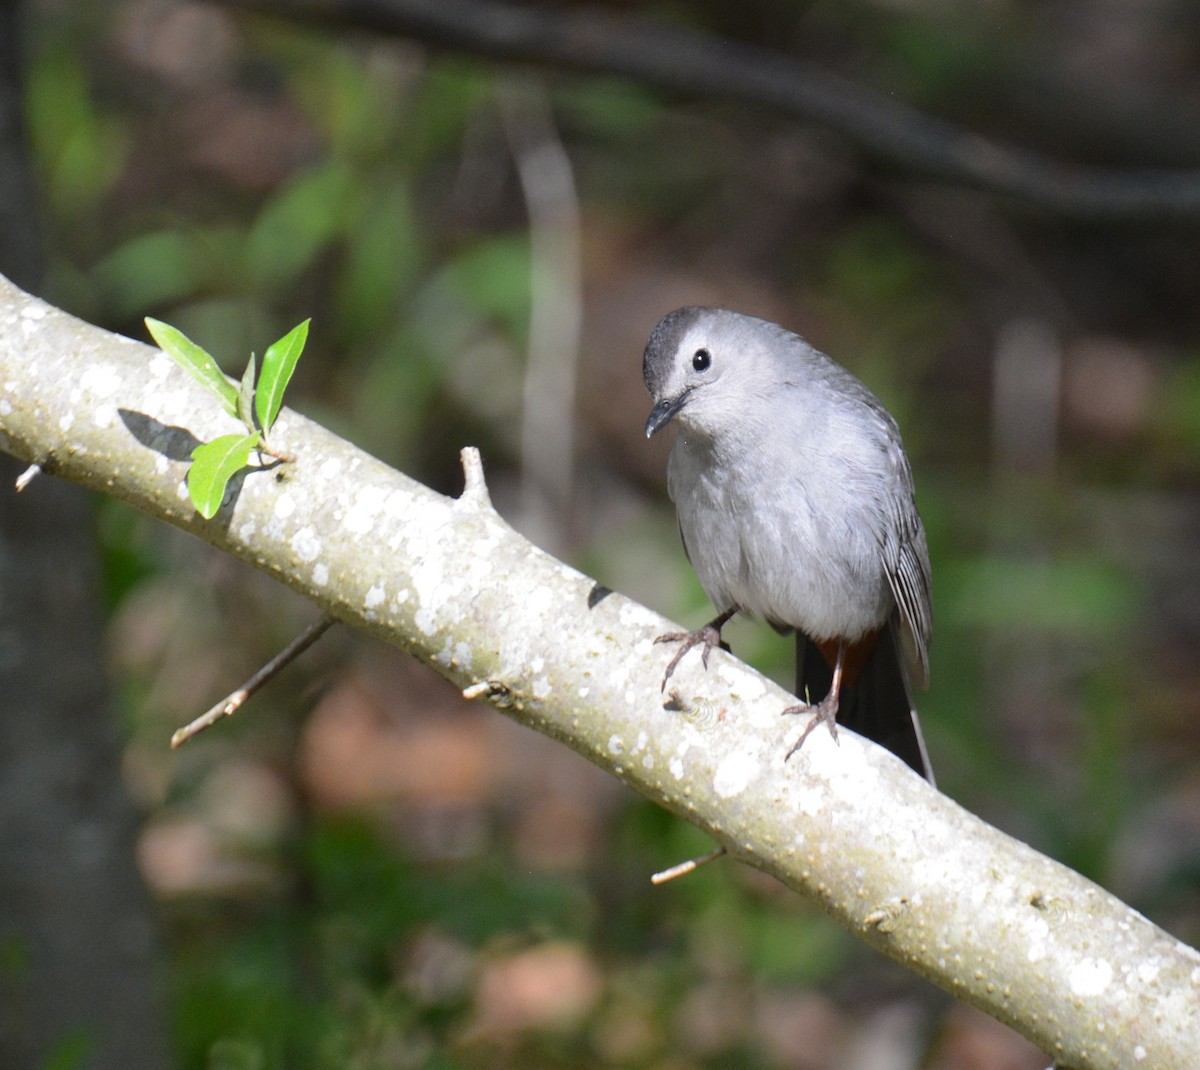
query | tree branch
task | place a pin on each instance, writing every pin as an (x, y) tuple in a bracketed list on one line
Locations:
[(911, 873), (695, 63)]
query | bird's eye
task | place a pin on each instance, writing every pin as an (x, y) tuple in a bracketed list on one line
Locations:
[(701, 359)]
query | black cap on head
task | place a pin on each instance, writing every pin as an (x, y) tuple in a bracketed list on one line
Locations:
[(663, 345)]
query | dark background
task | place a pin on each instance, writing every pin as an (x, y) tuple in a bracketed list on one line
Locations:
[(361, 870)]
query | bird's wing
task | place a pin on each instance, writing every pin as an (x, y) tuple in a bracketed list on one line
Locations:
[(906, 562)]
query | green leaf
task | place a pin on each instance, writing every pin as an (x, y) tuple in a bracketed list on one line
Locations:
[(245, 400), (383, 256), (195, 360), (213, 465), (493, 275), (278, 364), (297, 225), (81, 148), (149, 271)]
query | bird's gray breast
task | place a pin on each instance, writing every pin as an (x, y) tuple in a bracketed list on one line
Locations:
[(781, 533)]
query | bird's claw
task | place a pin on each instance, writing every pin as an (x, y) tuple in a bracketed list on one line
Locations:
[(824, 712), (708, 636)]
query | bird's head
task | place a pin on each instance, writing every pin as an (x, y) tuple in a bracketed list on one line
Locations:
[(704, 366)]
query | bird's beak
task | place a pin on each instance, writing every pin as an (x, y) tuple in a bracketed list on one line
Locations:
[(664, 412)]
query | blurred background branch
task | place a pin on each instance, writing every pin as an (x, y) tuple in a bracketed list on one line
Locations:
[(682, 60), (555, 312)]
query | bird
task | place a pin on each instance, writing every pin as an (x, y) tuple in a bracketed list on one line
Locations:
[(795, 503)]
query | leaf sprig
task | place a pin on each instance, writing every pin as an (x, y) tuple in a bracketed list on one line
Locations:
[(256, 402)]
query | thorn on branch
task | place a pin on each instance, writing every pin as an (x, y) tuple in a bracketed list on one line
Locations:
[(28, 476), (475, 487)]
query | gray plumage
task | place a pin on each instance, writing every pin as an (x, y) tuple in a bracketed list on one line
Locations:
[(793, 491)]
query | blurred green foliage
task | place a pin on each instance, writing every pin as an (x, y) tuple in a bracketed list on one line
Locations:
[(329, 975), (81, 148)]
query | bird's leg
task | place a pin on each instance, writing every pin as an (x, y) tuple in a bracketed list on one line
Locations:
[(825, 712), (709, 636)]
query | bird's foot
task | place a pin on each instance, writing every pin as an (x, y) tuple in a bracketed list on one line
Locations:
[(824, 712), (709, 636)]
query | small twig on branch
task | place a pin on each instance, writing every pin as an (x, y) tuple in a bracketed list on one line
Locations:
[(690, 866), (279, 455), (233, 701)]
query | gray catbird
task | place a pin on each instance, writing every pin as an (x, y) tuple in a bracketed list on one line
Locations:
[(795, 503)]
